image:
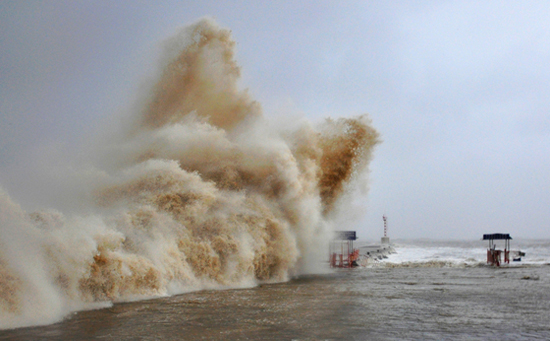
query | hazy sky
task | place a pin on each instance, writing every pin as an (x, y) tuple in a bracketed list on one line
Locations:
[(459, 90)]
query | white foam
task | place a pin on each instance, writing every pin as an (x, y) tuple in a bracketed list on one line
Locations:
[(462, 253)]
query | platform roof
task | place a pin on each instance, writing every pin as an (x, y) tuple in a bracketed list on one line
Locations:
[(345, 235), (496, 236)]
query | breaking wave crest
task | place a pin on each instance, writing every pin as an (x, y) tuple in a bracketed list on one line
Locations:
[(200, 192)]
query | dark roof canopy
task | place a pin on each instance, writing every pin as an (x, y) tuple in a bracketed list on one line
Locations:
[(496, 236), (345, 235)]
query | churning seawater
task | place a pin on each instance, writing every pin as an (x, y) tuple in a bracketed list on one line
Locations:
[(195, 191), (442, 291)]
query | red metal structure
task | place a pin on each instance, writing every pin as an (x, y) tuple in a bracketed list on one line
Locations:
[(494, 256), (341, 253)]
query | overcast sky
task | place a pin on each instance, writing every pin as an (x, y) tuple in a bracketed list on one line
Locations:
[(459, 90)]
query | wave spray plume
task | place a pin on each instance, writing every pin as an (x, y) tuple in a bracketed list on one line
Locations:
[(200, 193)]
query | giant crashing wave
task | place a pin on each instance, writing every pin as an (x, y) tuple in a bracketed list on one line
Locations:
[(202, 193)]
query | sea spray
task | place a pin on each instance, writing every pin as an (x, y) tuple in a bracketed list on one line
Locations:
[(197, 192)]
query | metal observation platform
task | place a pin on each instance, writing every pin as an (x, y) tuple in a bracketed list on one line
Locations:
[(341, 251), (494, 256)]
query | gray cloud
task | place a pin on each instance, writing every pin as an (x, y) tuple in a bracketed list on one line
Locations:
[(459, 91)]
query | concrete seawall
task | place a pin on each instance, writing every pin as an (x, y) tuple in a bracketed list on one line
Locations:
[(375, 252)]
